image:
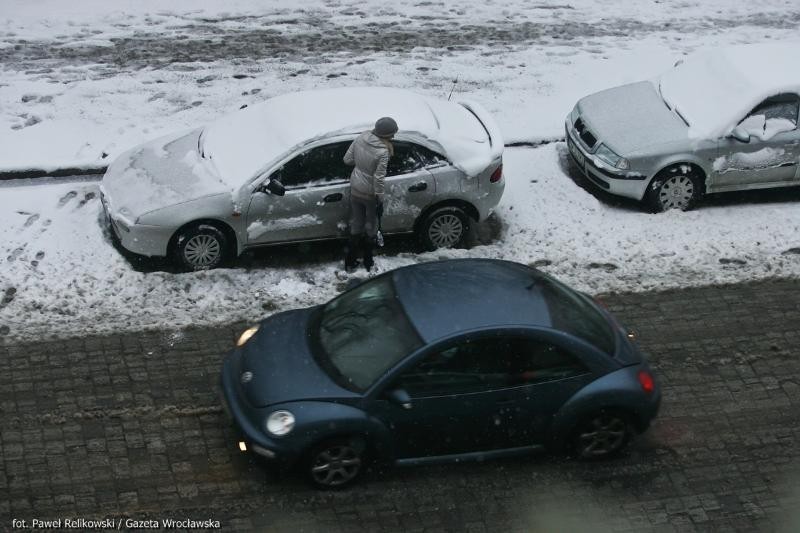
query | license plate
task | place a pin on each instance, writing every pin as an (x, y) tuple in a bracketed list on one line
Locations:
[(575, 152)]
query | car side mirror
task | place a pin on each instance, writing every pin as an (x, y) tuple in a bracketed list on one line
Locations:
[(740, 134), (399, 397), (273, 186)]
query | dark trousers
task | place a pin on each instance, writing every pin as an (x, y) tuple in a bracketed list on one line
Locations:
[(363, 227)]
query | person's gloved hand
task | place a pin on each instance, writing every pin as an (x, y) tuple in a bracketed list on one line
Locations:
[(379, 208)]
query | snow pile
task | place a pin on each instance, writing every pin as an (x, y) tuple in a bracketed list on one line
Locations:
[(715, 89)]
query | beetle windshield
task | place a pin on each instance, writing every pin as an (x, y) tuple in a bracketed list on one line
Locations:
[(363, 333)]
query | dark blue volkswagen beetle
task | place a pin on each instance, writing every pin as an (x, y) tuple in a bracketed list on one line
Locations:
[(447, 360)]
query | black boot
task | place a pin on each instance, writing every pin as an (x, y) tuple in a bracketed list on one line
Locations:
[(351, 253), (367, 244)]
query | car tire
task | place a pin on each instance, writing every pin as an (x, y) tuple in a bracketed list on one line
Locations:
[(335, 463), (601, 435), (201, 247), (445, 227), (675, 187)]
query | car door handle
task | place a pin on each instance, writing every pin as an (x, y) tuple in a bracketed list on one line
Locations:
[(335, 197), (417, 187)]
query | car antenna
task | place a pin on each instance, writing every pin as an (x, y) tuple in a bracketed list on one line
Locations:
[(453, 88)]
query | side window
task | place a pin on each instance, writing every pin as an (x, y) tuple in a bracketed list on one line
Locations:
[(318, 166), (429, 157), (774, 115), (404, 159), (489, 364)]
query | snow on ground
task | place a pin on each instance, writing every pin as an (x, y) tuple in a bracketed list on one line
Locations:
[(84, 81), (61, 275)]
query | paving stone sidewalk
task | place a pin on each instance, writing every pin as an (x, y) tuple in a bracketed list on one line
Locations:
[(128, 427)]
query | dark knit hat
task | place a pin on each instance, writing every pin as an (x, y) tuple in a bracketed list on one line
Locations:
[(385, 127)]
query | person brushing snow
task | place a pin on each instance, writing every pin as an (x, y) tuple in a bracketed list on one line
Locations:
[(369, 153)]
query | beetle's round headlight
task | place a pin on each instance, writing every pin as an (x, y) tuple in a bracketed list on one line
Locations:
[(246, 334), (280, 422)]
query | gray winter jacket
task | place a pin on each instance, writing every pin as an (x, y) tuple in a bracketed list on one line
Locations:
[(370, 155)]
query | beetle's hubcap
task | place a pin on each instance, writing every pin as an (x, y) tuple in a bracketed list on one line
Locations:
[(602, 435), (202, 250), (676, 193), (445, 231), (336, 465)]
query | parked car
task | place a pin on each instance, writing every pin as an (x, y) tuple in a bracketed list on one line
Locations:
[(273, 173), (721, 120), (440, 361)]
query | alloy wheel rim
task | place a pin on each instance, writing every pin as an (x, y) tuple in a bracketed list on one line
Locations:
[(336, 465), (602, 436), (202, 250), (676, 193), (445, 230)]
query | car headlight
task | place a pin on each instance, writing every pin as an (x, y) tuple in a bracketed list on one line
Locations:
[(608, 156), (245, 336), (280, 423)]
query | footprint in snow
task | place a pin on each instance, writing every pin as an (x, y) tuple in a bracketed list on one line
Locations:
[(608, 267), (540, 263), (791, 251), (31, 219), (86, 198), (16, 253), (8, 296), (732, 261), (39, 255), (66, 198)]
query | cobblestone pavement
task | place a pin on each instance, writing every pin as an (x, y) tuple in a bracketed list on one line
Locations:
[(130, 427)]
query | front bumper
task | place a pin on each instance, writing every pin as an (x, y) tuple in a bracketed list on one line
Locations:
[(627, 183), (251, 438), (137, 238)]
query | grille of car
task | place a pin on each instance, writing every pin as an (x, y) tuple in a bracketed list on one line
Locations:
[(584, 133)]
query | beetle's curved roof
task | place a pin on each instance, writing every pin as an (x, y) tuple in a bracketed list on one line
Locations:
[(714, 89), (442, 298), (245, 142)]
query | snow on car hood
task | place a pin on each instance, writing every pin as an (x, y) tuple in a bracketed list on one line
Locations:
[(631, 117), (160, 173), (714, 89), (250, 140)]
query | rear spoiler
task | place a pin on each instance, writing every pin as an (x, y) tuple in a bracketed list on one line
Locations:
[(488, 123)]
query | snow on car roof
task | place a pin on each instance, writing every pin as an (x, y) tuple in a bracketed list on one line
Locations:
[(245, 142), (715, 89)]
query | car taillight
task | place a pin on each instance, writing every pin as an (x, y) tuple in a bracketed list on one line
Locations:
[(646, 381), (496, 175)]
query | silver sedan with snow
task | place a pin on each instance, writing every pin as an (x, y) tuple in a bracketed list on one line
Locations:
[(273, 173), (721, 120)]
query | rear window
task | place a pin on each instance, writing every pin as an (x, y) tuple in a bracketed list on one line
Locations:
[(571, 312)]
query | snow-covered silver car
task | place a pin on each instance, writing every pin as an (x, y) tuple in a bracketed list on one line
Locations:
[(721, 120), (273, 173)]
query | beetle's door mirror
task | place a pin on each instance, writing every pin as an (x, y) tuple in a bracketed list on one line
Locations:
[(740, 134), (399, 397)]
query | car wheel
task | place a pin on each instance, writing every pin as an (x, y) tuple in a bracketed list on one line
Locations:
[(201, 247), (677, 187), (601, 435), (445, 227), (336, 463)]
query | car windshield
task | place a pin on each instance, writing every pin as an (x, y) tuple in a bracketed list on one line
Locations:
[(363, 333), (571, 312)]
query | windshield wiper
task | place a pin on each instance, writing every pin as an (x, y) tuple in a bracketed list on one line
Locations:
[(200, 144)]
